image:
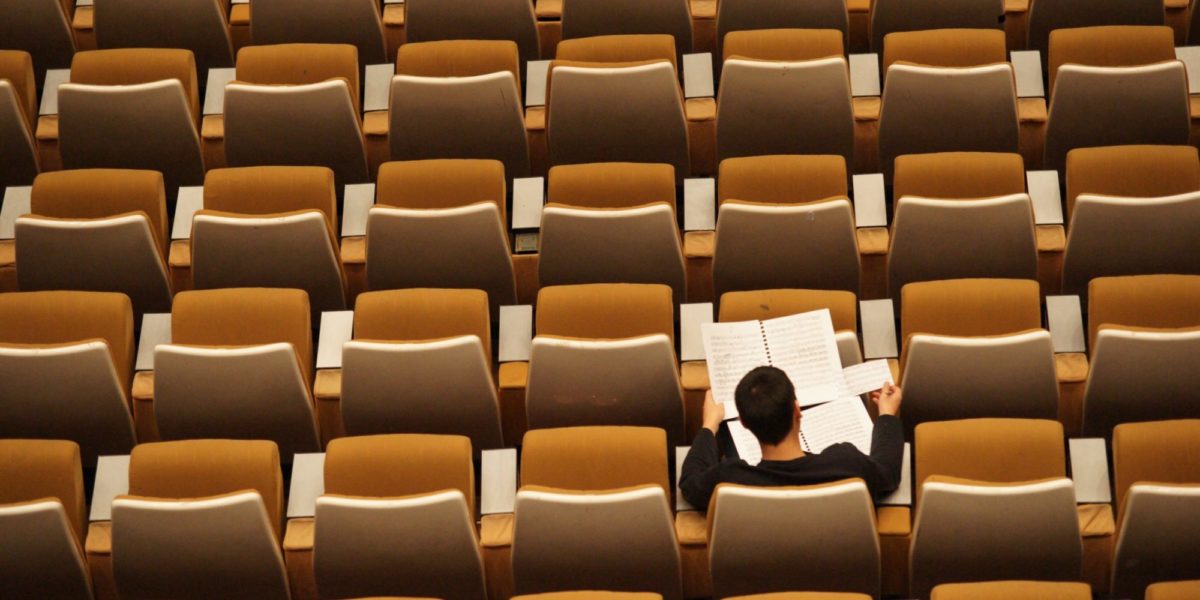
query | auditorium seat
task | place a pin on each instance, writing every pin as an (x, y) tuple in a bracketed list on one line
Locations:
[(1157, 490), (65, 368), (187, 500), (993, 503), (40, 27), (959, 215), (438, 107), (1135, 171), (132, 109), (1004, 590), (42, 508), (436, 20), (239, 366), (1133, 69), (1143, 333), (745, 15), (784, 222), (822, 538), (1173, 590), (355, 22), (397, 516), (890, 16), (590, 18), (97, 230), (201, 26), (611, 223), (441, 223), (605, 355), (270, 227), (1054, 15), (18, 114), (421, 363), (593, 513), (297, 104)]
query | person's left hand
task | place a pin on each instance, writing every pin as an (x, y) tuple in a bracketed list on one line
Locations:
[(714, 413)]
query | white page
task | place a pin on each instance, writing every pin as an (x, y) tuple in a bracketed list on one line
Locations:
[(865, 377), (745, 442), (843, 420), (803, 346), (732, 350)]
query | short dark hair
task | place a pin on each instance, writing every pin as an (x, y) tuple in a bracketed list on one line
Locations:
[(765, 399)]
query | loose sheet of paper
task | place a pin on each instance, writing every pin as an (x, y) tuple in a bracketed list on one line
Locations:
[(865, 377), (803, 346), (732, 350), (843, 420)]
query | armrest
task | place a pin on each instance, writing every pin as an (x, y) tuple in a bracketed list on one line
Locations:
[(337, 328), (393, 1), (1027, 68), (156, 330), (699, 204), (1047, 201), (680, 503), (239, 1), (1089, 470), (54, 77), (16, 203), (188, 202), (516, 332), (356, 205), (691, 318), (498, 481), (1190, 55), (903, 494), (698, 75), (308, 483), (535, 82), (112, 480), (214, 90), (864, 74), (870, 201), (1065, 321), (878, 328), (377, 86)]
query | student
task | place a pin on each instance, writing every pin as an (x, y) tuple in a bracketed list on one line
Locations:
[(766, 403)]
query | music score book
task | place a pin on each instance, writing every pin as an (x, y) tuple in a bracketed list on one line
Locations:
[(842, 420)]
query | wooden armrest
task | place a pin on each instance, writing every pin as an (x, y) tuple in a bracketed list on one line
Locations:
[(354, 250), (99, 539), (699, 244), (535, 118), (1096, 520), (873, 240), (299, 535), (1032, 110), (180, 254), (691, 528), (8, 252), (893, 521), (514, 375), (495, 531), (866, 108), (212, 127), (47, 128), (693, 375), (1016, 6), (1071, 367), (375, 123), (700, 109), (1051, 238)]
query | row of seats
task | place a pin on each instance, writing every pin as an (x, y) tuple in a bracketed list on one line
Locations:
[(397, 515), (240, 362), (617, 98)]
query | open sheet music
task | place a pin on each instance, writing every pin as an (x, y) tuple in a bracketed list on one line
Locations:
[(843, 420)]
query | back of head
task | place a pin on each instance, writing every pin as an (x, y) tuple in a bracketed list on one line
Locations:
[(765, 400)]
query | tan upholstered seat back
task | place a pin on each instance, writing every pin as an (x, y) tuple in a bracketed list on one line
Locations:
[(355, 22), (782, 179), (459, 58), (969, 307), (605, 310), (128, 66), (201, 26), (1154, 301), (959, 175), (431, 20), (1155, 452), (1050, 17), (422, 314), (1001, 590), (888, 17), (1109, 46), (1140, 375), (36, 469), (743, 15), (784, 44), (944, 47), (617, 48), (400, 465), (201, 468), (299, 64), (771, 304), (100, 193), (441, 183), (592, 18), (611, 185), (1173, 590), (991, 450), (594, 458), (1136, 171), (272, 190)]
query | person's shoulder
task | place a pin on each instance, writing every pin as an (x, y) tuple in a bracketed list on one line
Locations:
[(841, 451)]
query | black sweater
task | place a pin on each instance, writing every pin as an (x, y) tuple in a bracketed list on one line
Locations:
[(703, 468)]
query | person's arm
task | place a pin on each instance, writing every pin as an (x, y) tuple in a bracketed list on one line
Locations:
[(700, 473), (887, 442)]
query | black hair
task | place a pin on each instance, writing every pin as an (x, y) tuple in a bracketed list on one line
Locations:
[(765, 399)]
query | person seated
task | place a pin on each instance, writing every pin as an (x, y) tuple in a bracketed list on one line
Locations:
[(767, 406)]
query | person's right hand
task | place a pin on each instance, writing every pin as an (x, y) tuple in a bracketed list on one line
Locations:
[(887, 399)]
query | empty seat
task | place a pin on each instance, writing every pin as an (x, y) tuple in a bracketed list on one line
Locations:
[(40, 27), (969, 307), (1052, 15), (611, 223), (592, 512), (66, 361), (397, 517), (993, 503), (270, 227), (238, 367), (133, 109), (784, 222), (297, 104), (588, 18), (960, 229), (434, 20), (605, 355), (1173, 590), (743, 562), (187, 500), (42, 508), (421, 363), (1001, 590), (441, 223), (944, 47), (97, 230), (1131, 171), (355, 22), (889, 16), (436, 109), (1133, 69), (742, 15), (769, 304), (201, 26), (18, 112), (1157, 488)]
